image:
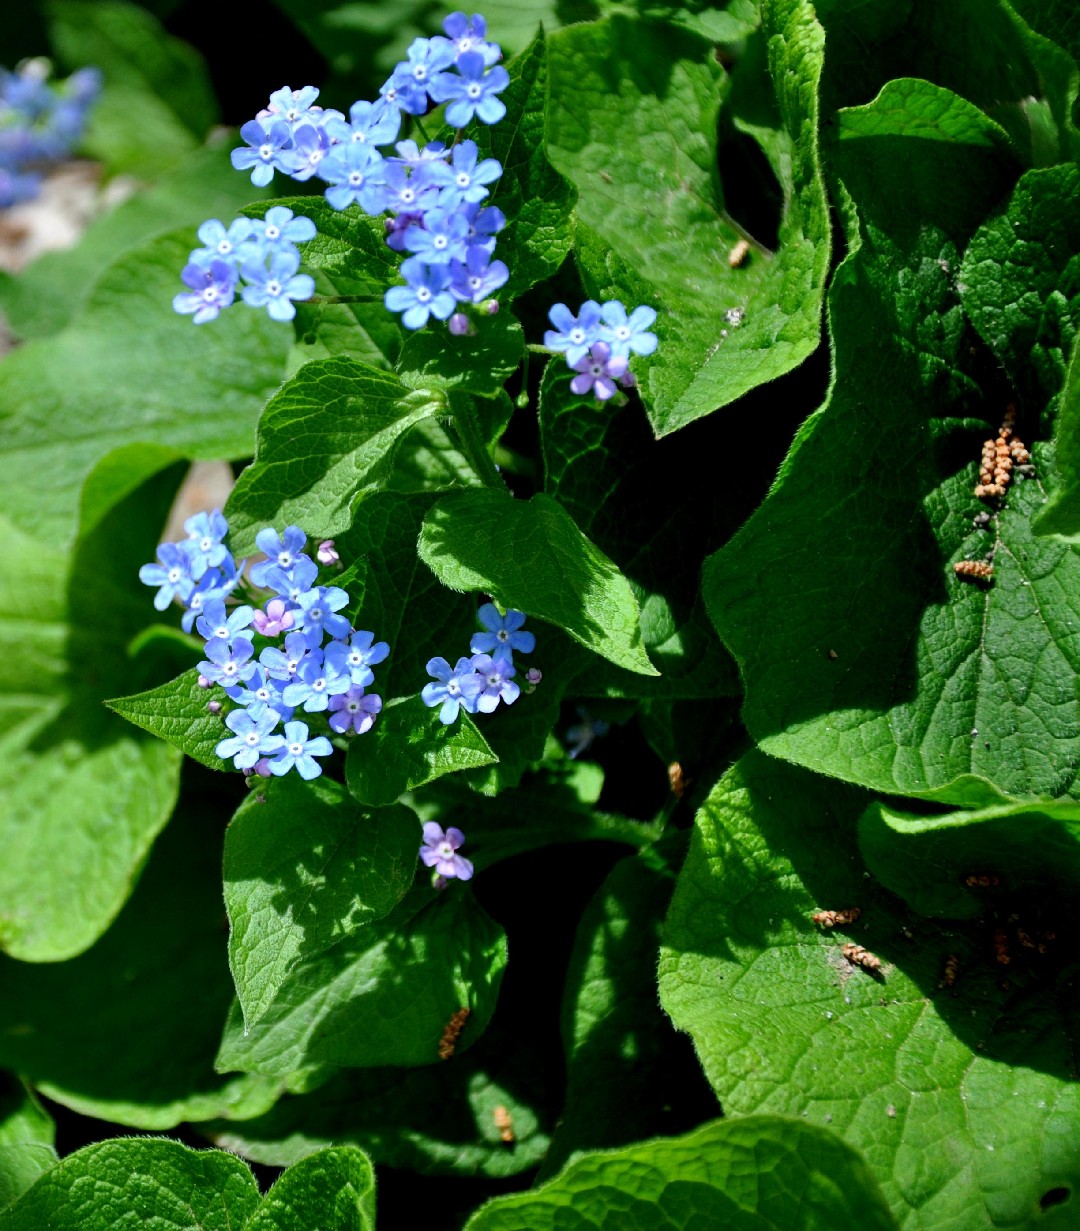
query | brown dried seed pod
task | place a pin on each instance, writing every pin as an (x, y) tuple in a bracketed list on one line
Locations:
[(504, 1124), (973, 568), (858, 956), (952, 965), (836, 918), (452, 1032), (738, 254)]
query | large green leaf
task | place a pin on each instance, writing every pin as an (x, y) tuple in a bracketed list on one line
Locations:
[(334, 1188), (129, 369), (530, 555), (84, 792), (381, 995), (176, 712), (635, 133), (130, 1182), (128, 1030), (957, 1096), (763, 1173), (1003, 851), (304, 868), (863, 653), (325, 437), (27, 1139), (409, 746)]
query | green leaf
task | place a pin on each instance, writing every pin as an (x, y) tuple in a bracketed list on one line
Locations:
[(127, 1031), (176, 712), (537, 202), (1019, 284), (479, 363), (761, 1172), (954, 1094), (409, 746), (863, 654), (437, 1120), (635, 133), (382, 995), (928, 860), (1061, 514), (47, 294), (196, 390), (304, 869), (596, 465), (530, 555), (333, 1188), (67, 762), (1054, 19), (326, 436), (27, 1139), (133, 1182)]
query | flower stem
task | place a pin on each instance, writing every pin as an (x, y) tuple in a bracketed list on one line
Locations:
[(474, 448), (420, 129)]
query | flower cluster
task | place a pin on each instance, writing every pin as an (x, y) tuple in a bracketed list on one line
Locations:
[(295, 669), (598, 343), (39, 124), (479, 683), (263, 253), (434, 195)]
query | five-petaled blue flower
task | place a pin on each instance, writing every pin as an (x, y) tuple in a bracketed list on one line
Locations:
[(252, 737), (213, 287), (281, 551), (471, 90), (299, 751), (627, 333), (503, 633), (426, 295), (266, 143), (172, 574), (454, 687), (275, 288), (573, 334)]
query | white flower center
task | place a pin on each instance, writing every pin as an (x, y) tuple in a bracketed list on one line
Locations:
[(423, 295), (175, 574), (266, 152), (473, 89), (251, 738), (272, 232), (296, 750), (273, 287)]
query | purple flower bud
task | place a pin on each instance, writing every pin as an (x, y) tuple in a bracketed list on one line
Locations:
[(261, 767), (438, 882), (204, 682), (214, 707), (326, 552), (492, 307), (458, 324)]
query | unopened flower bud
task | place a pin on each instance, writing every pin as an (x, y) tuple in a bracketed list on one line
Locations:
[(534, 675), (458, 324), (261, 767), (439, 883), (492, 307), (326, 552), (214, 707), (203, 682)]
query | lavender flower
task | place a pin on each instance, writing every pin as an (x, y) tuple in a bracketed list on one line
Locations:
[(354, 709), (598, 371), (440, 852)]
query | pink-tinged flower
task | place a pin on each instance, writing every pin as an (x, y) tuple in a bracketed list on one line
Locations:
[(598, 371), (326, 553), (440, 852), (354, 709), (274, 620)]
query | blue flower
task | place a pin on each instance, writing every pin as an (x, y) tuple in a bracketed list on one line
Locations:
[(222, 244), (598, 371), (413, 193), (496, 677), (310, 147), (283, 664), (575, 333), (214, 583), (172, 574), (625, 334), (291, 583), (360, 654), (277, 286), (455, 687), (478, 277), (484, 224), (471, 90), (318, 608), (426, 295), (212, 288), (357, 174), (281, 551), (215, 624), (316, 681), (502, 634), (252, 737), (410, 156), (299, 750), (426, 57), (228, 662), (205, 532), (294, 106), (266, 144), (467, 179), (280, 229), (469, 35), (441, 239), (369, 124), (261, 690)]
